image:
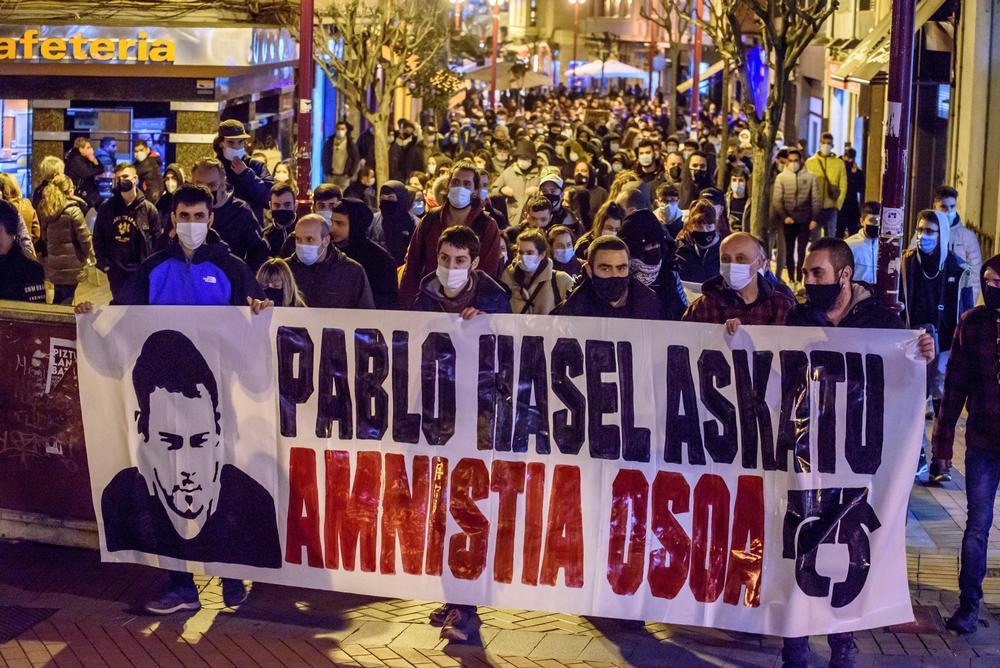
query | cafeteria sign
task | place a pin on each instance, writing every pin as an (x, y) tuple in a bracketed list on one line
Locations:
[(32, 46)]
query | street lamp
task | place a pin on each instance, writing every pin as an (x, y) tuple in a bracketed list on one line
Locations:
[(576, 26), (495, 4), (458, 14)]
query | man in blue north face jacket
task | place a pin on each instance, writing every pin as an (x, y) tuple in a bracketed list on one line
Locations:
[(196, 268)]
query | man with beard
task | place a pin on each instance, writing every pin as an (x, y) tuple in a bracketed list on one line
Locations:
[(183, 500)]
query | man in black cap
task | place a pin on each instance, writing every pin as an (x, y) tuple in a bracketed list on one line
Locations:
[(249, 177)]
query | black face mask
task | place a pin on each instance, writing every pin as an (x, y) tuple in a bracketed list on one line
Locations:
[(651, 256), (675, 172), (699, 176), (283, 217), (991, 297), (580, 179), (823, 297), (871, 231), (703, 238), (276, 295), (555, 200), (123, 186), (610, 290), (389, 208)]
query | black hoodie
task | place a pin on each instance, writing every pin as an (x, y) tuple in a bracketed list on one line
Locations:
[(394, 226), (124, 235), (380, 268)]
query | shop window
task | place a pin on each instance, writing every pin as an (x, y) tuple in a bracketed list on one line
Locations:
[(15, 142)]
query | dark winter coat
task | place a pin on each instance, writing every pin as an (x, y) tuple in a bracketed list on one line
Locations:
[(253, 186), (642, 303), (956, 295), (403, 160), (696, 264), (83, 173), (392, 228), (379, 266), (350, 165), (336, 281), (22, 278), (68, 244), (150, 173), (865, 312), (488, 296), (972, 380), (240, 229)]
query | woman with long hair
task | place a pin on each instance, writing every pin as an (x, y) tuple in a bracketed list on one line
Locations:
[(607, 221), (276, 278), (67, 238)]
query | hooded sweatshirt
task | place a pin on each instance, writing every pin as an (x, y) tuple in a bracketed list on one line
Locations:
[(124, 235), (972, 380), (378, 264), (236, 224), (393, 225)]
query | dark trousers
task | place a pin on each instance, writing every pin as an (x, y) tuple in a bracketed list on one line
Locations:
[(982, 475), (796, 650), (181, 580), (63, 294), (827, 226), (796, 234)]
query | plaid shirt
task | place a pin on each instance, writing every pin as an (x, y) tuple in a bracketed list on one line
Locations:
[(972, 381), (719, 303)]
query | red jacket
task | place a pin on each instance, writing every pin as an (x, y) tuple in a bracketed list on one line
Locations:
[(421, 256)]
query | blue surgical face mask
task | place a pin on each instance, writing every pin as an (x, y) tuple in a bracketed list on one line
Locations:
[(927, 243)]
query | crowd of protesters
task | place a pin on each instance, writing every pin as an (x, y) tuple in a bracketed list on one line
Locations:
[(551, 204)]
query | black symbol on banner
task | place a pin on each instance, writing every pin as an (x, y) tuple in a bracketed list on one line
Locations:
[(827, 516)]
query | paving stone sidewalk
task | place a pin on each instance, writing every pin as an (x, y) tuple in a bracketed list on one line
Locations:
[(62, 607)]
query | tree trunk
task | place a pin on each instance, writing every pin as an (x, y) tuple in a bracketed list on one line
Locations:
[(380, 130), (723, 172), (760, 192)]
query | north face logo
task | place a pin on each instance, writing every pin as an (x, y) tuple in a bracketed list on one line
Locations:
[(209, 279)]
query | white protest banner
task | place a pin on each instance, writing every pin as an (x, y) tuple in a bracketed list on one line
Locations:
[(633, 469)]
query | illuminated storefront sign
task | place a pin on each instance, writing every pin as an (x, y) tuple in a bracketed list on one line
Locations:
[(159, 45), (31, 46)]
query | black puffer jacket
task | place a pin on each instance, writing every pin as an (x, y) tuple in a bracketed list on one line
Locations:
[(83, 173), (642, 303)]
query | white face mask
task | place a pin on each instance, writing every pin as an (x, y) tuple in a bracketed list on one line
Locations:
[(140, 155), (341, 134), (574, 157), (326, 214), (307, 253), (739, 189), (431, 168), (484, 195), (563, 255), (418, 208), (614, 147), (452, 280), (459, 197), (737, 276), (232, 153), (281, 177), (825, 149), (192, 235), (529, 263), (524, 164), (645, 160), (170, 185)]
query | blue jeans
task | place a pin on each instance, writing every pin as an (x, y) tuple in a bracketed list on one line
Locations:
[(982, 475)]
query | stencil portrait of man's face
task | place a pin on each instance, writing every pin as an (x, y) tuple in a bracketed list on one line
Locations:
[(179, 451)]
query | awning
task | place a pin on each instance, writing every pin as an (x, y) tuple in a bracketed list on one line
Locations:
[(610, 69), (710, 72), (871, 57), (506, 78)]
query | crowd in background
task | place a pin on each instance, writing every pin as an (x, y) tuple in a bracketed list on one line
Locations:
[(549, 204)]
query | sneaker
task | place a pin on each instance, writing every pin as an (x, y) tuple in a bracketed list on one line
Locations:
[(171, 600), (937, 474), (964, 621), (460, 625), (843, 654), (439, 614), (234, 592)]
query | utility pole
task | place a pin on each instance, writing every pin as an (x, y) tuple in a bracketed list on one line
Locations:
[(303, 139), (696, 74), (897, 140)]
